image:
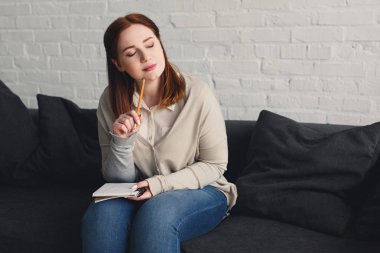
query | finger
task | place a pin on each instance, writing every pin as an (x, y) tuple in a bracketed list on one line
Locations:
[(124, 129), (135, 117), (128, 125), (131, 121), (145, 196), (128, 121), (122, 117), (142, 184), (135, 129), (119, 129)]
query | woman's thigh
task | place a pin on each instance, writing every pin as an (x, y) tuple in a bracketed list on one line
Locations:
[(171, 217), (106, 225)]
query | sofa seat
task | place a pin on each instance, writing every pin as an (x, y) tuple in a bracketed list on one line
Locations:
[(42, 219), (240, 234)]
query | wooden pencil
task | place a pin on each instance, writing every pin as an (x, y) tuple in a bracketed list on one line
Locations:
[(141, 95)]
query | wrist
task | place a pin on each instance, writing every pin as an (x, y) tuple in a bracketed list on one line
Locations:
[(123, 141)]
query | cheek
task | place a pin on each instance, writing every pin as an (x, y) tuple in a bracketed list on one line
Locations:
[(161, 59), (131, 68)]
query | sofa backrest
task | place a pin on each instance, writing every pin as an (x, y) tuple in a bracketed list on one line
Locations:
[(239, 136)]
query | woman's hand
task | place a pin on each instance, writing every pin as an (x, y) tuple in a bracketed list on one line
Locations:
[(126, 124), (146, 195)]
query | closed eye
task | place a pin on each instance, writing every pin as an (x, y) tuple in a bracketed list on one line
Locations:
[(131, 54)]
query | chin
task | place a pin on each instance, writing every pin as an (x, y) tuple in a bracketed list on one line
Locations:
[(154, 75)]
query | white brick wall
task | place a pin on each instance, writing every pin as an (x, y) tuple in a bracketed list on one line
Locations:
[(311, 60)]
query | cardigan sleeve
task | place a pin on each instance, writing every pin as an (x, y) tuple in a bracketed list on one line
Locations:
[(117, 157), (212, 160)]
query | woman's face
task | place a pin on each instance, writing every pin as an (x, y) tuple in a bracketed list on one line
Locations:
[(140, 53)]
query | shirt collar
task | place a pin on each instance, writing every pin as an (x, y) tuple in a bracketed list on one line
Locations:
[(136, 96)]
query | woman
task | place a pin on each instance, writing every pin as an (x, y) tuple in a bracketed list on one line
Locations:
[(176, 149)]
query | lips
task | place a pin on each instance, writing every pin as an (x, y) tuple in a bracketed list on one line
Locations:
[(150, 67)]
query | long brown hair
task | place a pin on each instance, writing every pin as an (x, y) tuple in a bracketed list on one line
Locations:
[(121, 84)]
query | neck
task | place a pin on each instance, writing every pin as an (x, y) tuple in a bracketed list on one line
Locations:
[(152, 92)]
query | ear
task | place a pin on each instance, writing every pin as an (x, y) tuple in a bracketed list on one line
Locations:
[(117, 65)]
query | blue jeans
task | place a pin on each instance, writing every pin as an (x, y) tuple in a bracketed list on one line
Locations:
[(157, 225)]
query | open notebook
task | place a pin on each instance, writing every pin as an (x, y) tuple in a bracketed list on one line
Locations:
[(115, 190)]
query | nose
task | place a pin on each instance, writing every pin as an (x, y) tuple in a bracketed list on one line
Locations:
[(144, 56)]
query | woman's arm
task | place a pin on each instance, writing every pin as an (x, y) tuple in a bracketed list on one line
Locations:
[(195, 176), (117, 157)]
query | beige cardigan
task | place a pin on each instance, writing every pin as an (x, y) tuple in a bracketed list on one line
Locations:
[(191, 155)]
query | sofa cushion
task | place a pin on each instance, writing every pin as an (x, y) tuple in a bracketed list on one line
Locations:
[(241, 234), (368, 218), (304, 176), (69, 150), (42, 219), (18, 133)]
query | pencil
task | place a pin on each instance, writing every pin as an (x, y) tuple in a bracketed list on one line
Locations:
[(141, 95)]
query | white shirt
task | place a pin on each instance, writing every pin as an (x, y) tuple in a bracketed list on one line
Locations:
[(156, 121)]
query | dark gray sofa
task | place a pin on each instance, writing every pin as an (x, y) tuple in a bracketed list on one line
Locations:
[(45, 217), (252, 233)]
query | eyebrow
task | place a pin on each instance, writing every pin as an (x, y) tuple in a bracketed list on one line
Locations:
[(134, 46)]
